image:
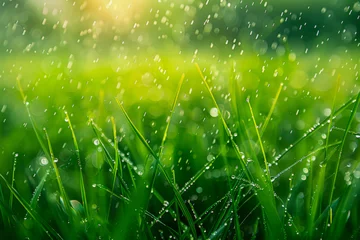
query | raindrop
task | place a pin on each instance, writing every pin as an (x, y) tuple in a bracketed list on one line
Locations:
[(43, 161), (214, 112)]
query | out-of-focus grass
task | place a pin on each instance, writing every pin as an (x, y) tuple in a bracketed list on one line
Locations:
[(225, 170)]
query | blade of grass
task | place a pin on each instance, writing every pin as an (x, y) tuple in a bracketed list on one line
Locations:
[(179, 198), (130, 166), (12, 181), (331, 116), (189, 183), (196, 217), (5, 214), (266, 196), (346, 203), (33, 124), (77, 150), (227, 129), (255, 231), (268, 117), (348, 125), (126, 200), (232, 194), (303, 158), (58, 178), (166, 132), (117, 164), (314, 129), (317, 195), (42, 223), (260, 142)]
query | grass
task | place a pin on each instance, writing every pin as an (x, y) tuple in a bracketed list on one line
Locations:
[(207, 160)]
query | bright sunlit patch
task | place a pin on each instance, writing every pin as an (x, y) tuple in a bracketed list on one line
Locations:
[(124, 13)]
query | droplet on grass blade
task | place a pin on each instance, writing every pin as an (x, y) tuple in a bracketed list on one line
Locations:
[(214, 112), (43, 161)]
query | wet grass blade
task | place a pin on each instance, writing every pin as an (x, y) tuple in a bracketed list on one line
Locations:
[(168, 120), (303, 158), (348, 125), (227, 129), (315, 206), (63, 194), (42, 223), (33, 124), (5, 214), (36, 194), (191, 182), (266, 196), (260, 142), (179, 198), (126, 200), (117, 163), (343, 210), (231, 190), (315, 128), (130, 166), (331, 117), (268, 117), (12, 182), (77, 150)]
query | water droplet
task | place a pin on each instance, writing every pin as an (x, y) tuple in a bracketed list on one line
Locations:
[(43, 161), (96, 142), (214, 112)]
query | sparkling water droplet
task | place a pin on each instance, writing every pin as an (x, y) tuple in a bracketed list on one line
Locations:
[(43, 161), (214, 112)]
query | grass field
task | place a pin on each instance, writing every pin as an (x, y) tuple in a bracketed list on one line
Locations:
[(175, 148), (186, 119)]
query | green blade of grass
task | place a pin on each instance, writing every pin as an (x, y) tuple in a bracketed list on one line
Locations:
[(203, 235), (190, 182), (166, 132), (266, 196), (5, 214), (126, 200), (303, 158), (45, 227), (36, 194), (77, 150), (12, 181), (255, 231), (179, 198), (130, 166), (348, 125), (343, 210), (231, 190), (260, 142), (227, 129), (331, 116), (268, 117), (33, 124), (314, 129), (317, 195), (58, 178), (117, 164)]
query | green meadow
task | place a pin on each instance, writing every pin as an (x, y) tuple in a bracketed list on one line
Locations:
[(140, 124)]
